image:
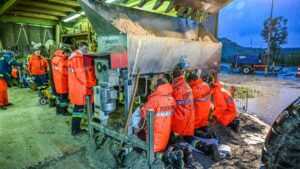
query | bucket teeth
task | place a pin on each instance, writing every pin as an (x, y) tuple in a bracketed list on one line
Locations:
[(182, 12), (158, 3), (191, 13), (170, 7), (195, 15), (142, 3)]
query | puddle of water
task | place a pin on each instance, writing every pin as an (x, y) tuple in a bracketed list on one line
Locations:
[(277, 93), (267, 108)]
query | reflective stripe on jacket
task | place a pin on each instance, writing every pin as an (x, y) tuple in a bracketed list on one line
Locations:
[(201, 93), (184, 118), (163, 105), (6, 62), (225, 109), (60, 72)]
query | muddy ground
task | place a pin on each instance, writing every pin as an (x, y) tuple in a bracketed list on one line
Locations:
[(32, 136)]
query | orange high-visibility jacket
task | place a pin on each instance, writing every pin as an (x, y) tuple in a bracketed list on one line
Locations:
[(81, 79), (38, 65), (14, 73), (225, 110), (60, 72), (163, 104), (201, 93), (183, 121)]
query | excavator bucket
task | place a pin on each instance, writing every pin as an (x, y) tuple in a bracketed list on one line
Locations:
[(157, 34), (180, 8)]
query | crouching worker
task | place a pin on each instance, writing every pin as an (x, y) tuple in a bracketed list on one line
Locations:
[(202, 103), (163, 105), (60, 78), (183, 122), (224, 107), (201, 94), (6, 62), (81, 80)]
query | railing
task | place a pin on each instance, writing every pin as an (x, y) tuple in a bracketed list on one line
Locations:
[(240, 95)]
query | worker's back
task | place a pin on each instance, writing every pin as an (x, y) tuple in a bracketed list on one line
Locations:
[(201, 94), (163, 105), (60, 72), (224, 105), (80, 79), (184, 117)]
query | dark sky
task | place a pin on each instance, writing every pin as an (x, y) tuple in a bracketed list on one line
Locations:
[(242, 20)]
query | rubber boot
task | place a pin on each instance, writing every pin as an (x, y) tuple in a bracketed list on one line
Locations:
[(205, 134), (209, 149), (58, 110), (176, 159), (64, 111), (173, 159), (52, 103), (234, 125), (188, 158), (9, 104), (76, 126)]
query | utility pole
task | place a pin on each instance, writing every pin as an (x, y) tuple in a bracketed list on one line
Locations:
[(269, 39)]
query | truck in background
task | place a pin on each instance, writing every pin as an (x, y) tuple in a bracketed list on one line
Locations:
[(249, 64)]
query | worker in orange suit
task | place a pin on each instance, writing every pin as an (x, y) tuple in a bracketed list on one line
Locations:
[(38, 67), (81, 79), (184, 118), (201, 93), (163, 105), (60, 78), (6, 62), (224, 107), (183, 122)]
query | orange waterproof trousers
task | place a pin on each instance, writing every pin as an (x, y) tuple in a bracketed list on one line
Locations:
[(3, 93)]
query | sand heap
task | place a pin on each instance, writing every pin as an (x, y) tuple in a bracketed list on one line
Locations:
[(127, 26)]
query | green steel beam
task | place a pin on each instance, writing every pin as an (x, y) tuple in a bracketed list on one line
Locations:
[(39, 10), (47, 6), (33, 15), (65, 2), (27, 20), (8, 5)]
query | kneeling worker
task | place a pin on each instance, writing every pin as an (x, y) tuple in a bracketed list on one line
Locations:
[(60, 77), (163, 104), (183, 122), (224, 107), (201, 94)]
